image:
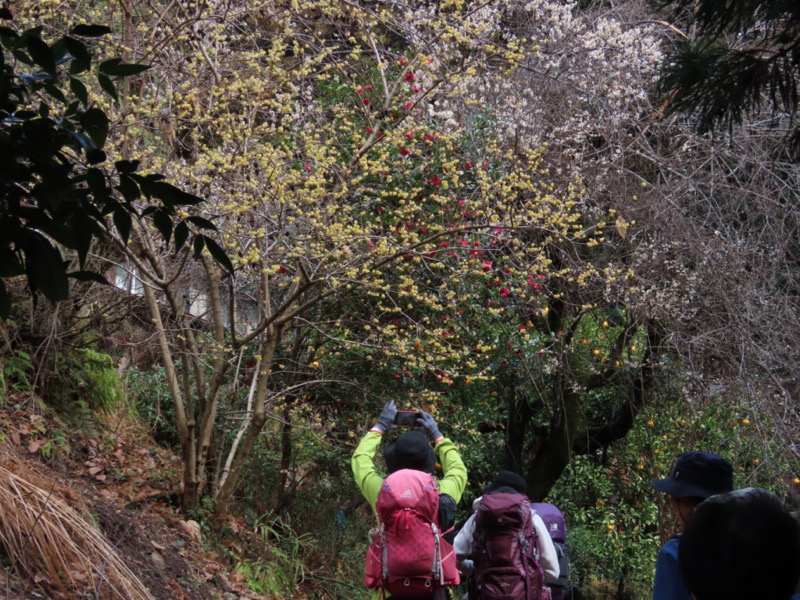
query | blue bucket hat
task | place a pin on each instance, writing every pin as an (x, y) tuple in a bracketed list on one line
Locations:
[(697, 474)]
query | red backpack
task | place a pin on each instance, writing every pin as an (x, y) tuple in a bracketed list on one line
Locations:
[(409, 557), (505, 550)]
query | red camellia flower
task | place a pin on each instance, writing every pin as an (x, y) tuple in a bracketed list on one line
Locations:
[(505, 292), (369, 129), (486, 265), (366, 101), (408, 105), (404, 151), (409, 77), (435, 181)]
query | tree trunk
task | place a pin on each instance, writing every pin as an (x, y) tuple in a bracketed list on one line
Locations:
[(555, 452), (286, 456), (226, 489)]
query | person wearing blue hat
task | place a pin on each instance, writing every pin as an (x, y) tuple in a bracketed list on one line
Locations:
[(695, 477)]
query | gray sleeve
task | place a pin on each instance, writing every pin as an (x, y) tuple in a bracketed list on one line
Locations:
[(463, 541)]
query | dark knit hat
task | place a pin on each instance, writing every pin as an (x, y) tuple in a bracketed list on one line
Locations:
[(410, 451), (697, 474), (507, 479)]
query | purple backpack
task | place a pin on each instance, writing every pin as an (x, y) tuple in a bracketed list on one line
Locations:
[(557, 527), (505, 550)]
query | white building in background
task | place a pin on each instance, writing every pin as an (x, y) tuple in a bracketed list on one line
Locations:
[(195, 301)]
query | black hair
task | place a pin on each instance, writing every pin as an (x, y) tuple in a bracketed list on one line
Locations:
[(741, 545)]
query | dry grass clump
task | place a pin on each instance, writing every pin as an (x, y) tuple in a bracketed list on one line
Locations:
[(49, 542)]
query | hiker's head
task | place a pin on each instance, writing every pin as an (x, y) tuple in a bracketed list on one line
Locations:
[(695, 477), (507, 480), (410, 451), (741, 545)]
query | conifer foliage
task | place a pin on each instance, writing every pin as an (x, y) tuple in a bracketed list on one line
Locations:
[(744, 58)]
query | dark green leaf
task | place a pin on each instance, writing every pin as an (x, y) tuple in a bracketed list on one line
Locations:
[(172, 195), (84, 141), (95, 124), (115, 66), (84, 226), (56, 93), (122, 221), (59, 50), (22, 56), (96, 180), (181, 235), (219, 254), (72, 109), (199, 243), (42, 55), (78, 66), (88, 276), (128, 188), (202, 223), (79, 90), (90, 30), (127, 166), (10, 266), (108, 86), (45, 268), (78, 50), (5, 302), (163, 223), (7, 35), (95, 156)]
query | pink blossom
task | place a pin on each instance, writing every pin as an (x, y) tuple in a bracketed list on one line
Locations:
[(409, 77), (505, 292), (486, 265)]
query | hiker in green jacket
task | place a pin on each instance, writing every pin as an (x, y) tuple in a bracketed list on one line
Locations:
[(412, 450)]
